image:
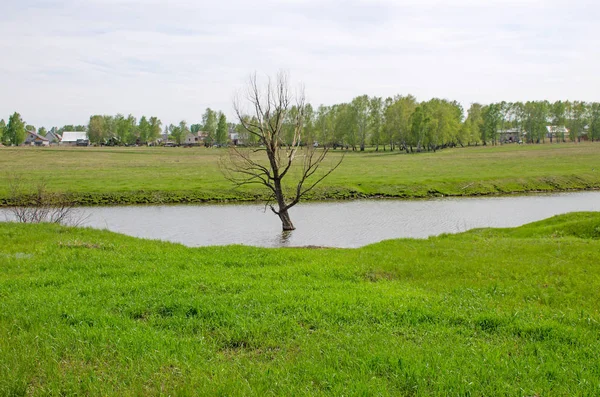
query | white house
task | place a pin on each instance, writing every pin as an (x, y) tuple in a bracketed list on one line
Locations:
[(75, 138), (559, 132), (235, 138)]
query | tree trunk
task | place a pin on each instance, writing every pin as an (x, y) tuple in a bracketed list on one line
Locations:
[(286, 222)]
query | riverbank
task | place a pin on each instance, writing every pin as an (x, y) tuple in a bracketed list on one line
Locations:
[(487, 312), (120, 176)]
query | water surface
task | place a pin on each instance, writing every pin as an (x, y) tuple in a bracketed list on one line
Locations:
[(333, 224)]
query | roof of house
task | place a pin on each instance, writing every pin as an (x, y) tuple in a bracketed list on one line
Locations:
[(556, 128), (74, 136), (509, 131), (37, 136)]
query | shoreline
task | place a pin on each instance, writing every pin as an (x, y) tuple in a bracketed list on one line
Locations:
[(184, 198)]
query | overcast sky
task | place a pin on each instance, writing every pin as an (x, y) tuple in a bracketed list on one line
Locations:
[(63, 60)]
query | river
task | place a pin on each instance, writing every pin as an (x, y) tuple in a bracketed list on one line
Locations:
[(332, 224)]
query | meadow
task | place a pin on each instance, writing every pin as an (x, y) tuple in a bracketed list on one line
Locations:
[(108, 175), (492, 312)]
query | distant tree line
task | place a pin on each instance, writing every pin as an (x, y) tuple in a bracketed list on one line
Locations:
[(581, 120), (398, 123), (15, 132), (121, 130), (403, 123)]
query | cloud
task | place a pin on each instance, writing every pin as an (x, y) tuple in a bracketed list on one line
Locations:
[(66, 60)]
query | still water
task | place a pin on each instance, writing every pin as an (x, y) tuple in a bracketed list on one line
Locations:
[(332, 224)]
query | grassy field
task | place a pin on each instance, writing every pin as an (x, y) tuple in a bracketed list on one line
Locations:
[(488, 312), (173, 175)]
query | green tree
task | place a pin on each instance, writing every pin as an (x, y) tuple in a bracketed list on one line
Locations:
[(360, 108), (194, 128), (143, 130), (444, 123), (70, 128), (398, 121), (491, 122), (309, 124), (517, 114), (578, 120), (209, 124), (132, 130), (474, 124), (594, 126), (325, 125), (376, 121), (221, 135), (558, 118), (15, 130), (154, 129), (388, 130), (97, 129), (42, 131), (179, 132), (120, 128), (2, 129), (125, 129), (419, 126), (110, 128), (535, 120), (288, 125), (345, 130)]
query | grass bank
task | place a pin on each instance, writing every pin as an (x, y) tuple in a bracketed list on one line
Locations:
[(99, 176), (487, 312)]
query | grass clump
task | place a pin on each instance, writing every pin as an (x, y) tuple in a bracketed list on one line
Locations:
[(486, 312)]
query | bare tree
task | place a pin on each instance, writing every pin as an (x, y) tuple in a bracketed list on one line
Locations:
[(287, 155), (34, 204)]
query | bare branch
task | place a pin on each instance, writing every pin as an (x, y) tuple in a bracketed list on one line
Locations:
[(32, 203), (278, 124)]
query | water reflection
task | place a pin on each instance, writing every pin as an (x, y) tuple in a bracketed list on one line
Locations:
[(285, 237)]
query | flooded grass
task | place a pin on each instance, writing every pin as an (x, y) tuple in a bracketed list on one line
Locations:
[(487, 312)]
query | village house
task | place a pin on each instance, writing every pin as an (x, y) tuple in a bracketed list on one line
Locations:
[(75, 138), (53, 136), (195, 139), (35, 139), (559, 133), (512, 135), (236, 138)]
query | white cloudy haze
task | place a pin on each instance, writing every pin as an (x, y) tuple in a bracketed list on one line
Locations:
[(65, 60)]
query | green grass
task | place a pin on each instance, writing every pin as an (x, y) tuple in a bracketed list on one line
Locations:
[(177, 175), (488, 312)]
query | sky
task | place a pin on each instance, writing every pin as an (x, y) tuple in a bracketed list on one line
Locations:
[(64, 60)]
